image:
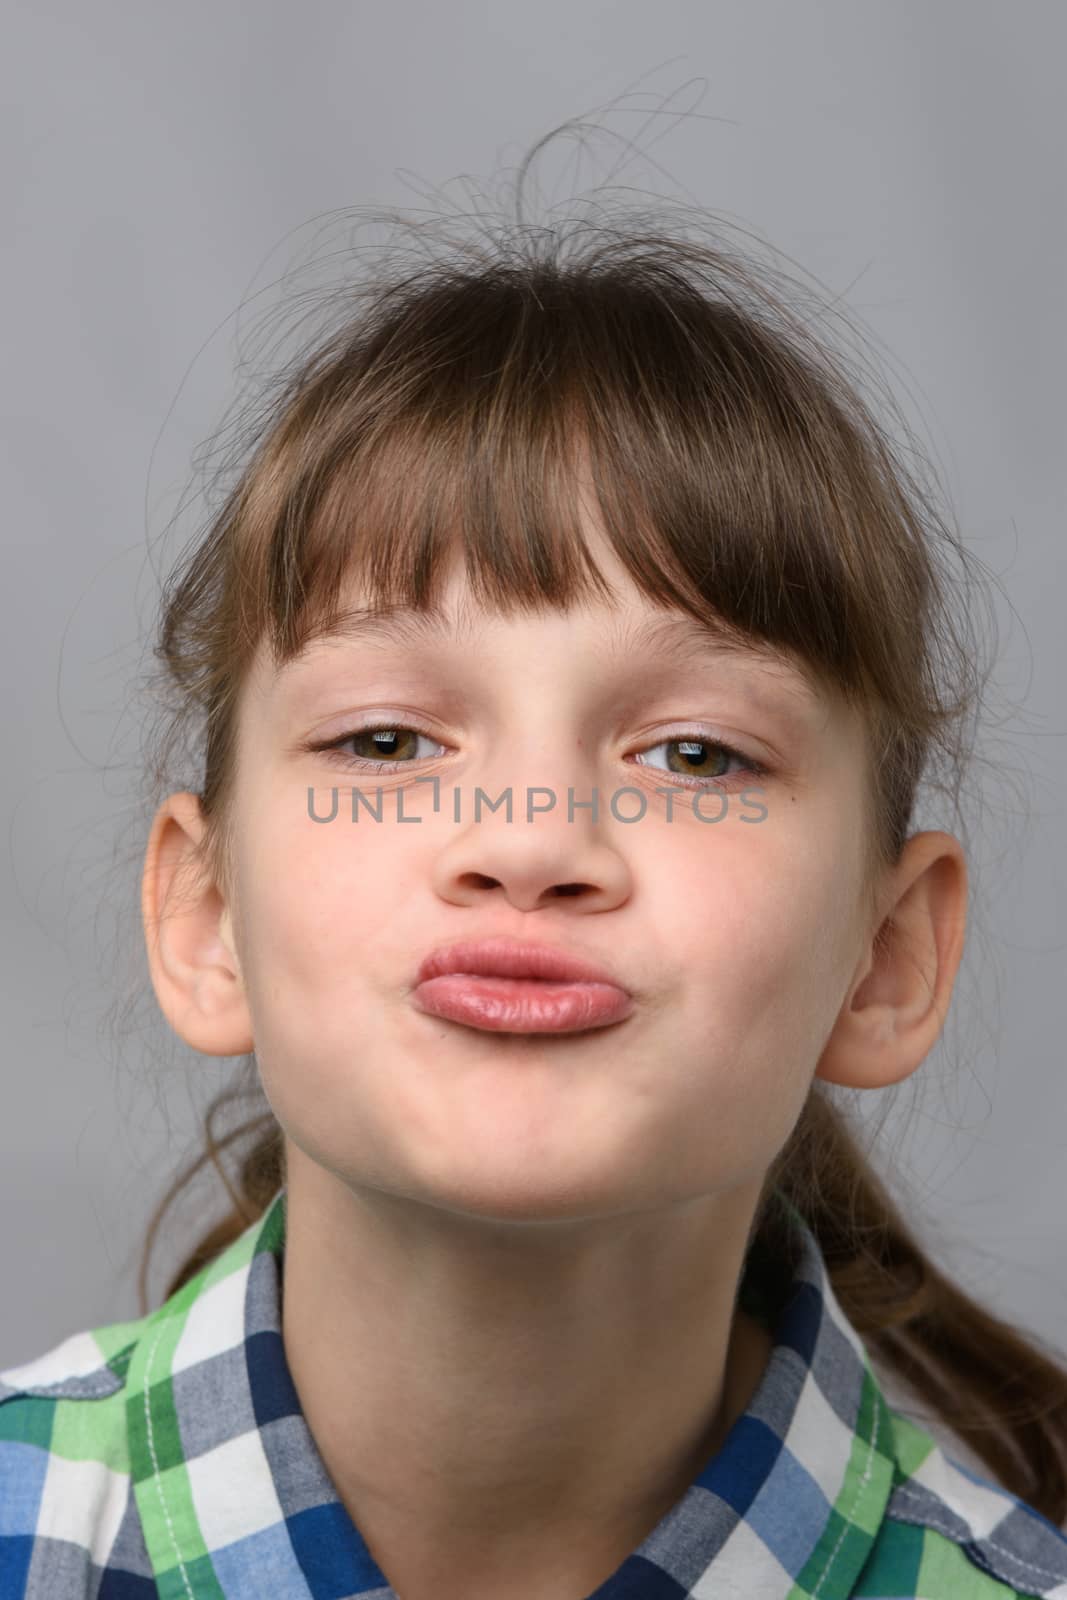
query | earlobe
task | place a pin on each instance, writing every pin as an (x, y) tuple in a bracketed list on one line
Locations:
[(896, 1007), (189, 936)]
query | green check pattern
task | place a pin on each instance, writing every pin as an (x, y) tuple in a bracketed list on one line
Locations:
[(169, 1457)]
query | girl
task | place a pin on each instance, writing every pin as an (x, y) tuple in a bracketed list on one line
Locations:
[(570, 653)]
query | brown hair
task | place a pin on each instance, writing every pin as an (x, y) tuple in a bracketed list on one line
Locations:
[(739, 471)]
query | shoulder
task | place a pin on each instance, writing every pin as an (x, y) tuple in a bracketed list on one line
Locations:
[(949, 1531), (66, 1499), (91, 1428)]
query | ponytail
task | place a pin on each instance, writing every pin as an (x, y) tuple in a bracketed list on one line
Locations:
[(997, 1388), (260, 1174)]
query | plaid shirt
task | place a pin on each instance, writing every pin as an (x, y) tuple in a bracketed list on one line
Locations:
[(169, 1456)]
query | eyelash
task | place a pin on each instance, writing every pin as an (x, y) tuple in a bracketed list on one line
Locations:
[(331, 749)]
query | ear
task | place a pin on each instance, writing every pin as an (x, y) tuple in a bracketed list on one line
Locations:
[(899, 997), (189, 936)]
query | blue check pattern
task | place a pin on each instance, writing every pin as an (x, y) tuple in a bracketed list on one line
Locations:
[(169, 1457)]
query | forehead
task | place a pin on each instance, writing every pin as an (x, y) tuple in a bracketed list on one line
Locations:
[(623, 620), (643, 645), (621, 629), (611, 615)]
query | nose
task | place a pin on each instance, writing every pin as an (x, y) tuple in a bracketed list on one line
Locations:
[(533, 863)]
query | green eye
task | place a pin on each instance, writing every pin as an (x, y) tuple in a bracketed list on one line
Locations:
[(703, 760)]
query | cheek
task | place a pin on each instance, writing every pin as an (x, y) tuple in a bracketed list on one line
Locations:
[(317, 899), (757, 895), (758, 925), (317, 903)]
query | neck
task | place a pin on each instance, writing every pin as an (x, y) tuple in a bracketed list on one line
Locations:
[(569, 1376)]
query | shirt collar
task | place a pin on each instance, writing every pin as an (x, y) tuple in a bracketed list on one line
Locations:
[(234, 1497)]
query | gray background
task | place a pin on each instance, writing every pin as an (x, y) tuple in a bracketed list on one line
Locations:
[(909, 156)]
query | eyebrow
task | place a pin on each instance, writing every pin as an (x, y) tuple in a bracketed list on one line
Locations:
[(674, 641)]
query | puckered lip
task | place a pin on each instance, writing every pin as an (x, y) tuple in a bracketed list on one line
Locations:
[(513, 958)]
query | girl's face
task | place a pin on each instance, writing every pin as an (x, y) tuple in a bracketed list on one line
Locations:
[(738, 938)]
